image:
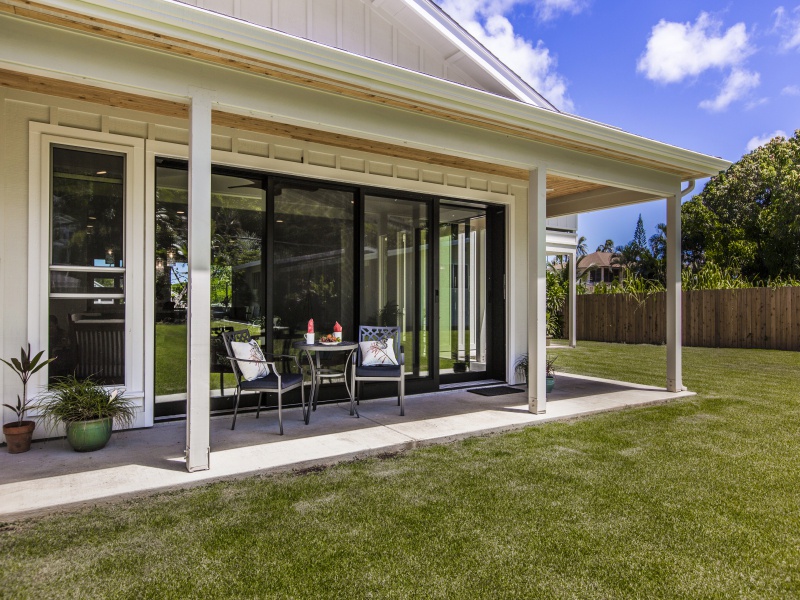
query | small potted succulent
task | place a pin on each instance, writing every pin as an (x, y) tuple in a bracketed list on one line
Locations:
[(87, 409), (19, 433)]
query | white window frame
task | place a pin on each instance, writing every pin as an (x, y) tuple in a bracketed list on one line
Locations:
[(42, 137)]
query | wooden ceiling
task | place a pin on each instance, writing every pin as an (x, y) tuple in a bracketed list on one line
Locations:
[(557, 186)]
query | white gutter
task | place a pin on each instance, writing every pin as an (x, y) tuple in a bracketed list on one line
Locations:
[(199, 26)]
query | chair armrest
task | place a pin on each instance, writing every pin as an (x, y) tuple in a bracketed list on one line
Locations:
[(294, 358)]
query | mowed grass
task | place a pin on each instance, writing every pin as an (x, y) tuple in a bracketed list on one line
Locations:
[(698, 498)]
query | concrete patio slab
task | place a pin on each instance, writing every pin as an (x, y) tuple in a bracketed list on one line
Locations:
[(52, 476)]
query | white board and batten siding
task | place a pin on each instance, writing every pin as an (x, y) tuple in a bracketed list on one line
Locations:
[(384, 30)]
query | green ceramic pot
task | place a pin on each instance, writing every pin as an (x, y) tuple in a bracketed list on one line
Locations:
[(551, 383), (87, 436)]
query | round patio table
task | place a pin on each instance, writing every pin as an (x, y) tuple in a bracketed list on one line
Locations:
[(320, 373)]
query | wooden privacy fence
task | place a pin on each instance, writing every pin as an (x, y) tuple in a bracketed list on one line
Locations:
[(741, 318)]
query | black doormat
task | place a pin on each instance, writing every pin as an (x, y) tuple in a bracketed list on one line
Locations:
[(500, 390)]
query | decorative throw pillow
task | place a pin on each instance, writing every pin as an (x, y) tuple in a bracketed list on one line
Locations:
[(250, 351), (377, 353)]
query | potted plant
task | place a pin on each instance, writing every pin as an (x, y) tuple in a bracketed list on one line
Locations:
[(87, 409), (19, 433), (521, 368)]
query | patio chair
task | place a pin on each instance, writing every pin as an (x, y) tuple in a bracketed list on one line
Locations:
[(382, 368), (274, 382), (219, 362)]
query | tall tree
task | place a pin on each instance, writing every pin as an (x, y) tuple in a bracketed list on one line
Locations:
[(607, 246), (639, 236), (581, 249), (747, 219)]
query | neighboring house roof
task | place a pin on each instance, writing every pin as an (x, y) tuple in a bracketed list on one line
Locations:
[(413, 34), (596, 260)]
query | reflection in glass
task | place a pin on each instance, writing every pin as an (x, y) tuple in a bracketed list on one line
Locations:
[(87, 208), (314, 261), (238, 205), (462, 288), (87, 334), (83, 282), (395, 273)]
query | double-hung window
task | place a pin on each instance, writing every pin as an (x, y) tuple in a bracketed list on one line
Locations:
[(86, 325)]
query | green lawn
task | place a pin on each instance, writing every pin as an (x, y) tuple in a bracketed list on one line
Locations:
[(698, 498)]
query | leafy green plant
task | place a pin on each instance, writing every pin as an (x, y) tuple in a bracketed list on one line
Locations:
[(638, 288), (25, 367), (70, 400), (521, 366)]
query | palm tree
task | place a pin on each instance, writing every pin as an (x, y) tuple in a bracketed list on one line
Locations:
[(608, 246), (580, 247)]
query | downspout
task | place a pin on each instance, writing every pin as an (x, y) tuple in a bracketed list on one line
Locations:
[(689, 188)]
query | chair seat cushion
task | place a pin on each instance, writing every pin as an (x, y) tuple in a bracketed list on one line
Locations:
[(378, 371), (270, 382)]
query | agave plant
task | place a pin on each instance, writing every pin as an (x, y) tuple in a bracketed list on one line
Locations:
[(25, 367)]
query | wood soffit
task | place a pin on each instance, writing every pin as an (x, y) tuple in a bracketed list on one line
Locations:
[(122, 33), (561, 186)]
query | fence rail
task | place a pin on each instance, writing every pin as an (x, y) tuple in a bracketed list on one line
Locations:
[(742, 318)]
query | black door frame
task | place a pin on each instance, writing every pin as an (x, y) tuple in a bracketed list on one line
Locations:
[(496, 232)]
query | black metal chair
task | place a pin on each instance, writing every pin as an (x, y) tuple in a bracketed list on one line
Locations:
[(219, 356), (274, 382), (363, 374)]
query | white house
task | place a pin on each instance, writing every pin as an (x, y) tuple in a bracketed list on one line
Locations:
[(167, 168)]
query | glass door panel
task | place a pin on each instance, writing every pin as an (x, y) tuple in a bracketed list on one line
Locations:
[(314, 257), (395, 277), (462, 289), (238, 205)]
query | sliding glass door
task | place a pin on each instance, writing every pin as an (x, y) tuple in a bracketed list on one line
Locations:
[(286, 250), (238, 219), (395, 285), (312, 240), (462, 289)]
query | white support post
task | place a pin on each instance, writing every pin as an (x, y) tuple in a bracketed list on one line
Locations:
[(573, 331), (674, 319), (198, 416), (537, 290)]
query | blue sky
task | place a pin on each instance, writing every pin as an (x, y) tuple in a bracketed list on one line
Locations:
[(714, 76)]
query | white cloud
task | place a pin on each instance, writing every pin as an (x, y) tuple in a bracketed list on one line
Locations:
[(486, 21), (787, 25), (791, 90), (756, 103), (735, 86), (676, 51), (757, 141), (550, 9)]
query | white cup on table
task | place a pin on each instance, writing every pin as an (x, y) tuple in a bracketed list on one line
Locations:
[(309, 338)]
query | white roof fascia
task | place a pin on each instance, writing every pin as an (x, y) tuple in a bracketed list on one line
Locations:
[(200, 26), (477, 52)]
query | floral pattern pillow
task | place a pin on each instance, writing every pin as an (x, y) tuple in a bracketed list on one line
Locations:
[(378, 353), (250, 351)]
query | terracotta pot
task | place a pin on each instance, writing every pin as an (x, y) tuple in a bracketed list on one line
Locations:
[(18, 436)]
